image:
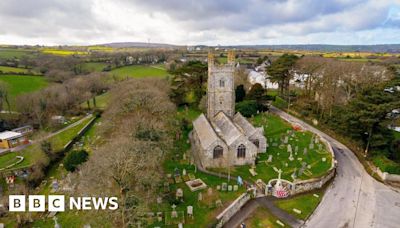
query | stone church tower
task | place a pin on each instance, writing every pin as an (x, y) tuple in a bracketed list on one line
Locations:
[(220, 86)]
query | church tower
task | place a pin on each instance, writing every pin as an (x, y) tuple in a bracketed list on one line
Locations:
[(220, 86)]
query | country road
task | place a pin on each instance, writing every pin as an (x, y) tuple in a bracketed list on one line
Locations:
[(354, 199)]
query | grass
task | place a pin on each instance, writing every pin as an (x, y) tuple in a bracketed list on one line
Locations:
[(101, 101), (10, 53), (94, 66), (6, 69), (33, 153), (139, 71), (18, 84), (385, 164), (306, 203), (276, 128), (262, 218)]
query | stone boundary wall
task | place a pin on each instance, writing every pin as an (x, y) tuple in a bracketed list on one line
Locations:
[(232, 209), (385, 176), (80, 133), (314, 183)]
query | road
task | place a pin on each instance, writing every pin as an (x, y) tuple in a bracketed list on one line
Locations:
[(354, 199)]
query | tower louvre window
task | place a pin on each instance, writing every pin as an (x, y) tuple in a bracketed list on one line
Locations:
[(221, 83)]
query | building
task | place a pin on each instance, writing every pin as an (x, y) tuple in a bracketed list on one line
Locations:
[(223, 137), (11, 139)]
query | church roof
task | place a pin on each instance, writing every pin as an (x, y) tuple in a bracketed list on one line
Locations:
[(204, 131), (226, 128), (246, 126)]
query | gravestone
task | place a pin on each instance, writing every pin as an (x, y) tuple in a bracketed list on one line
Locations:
[(324, 159), (209, 191), (189, 211), (159, 216), (224, 186), (200, 197), (159, 200), (305, 151), (184, 172), (308, 166), (218, 203), (311, 145), (296, 149), (286, 164), (269, 158), (229, 188), (174, 213), (320, 146), (179, 193), (235, 188), (289, 148), (286, 140), (218, 187)]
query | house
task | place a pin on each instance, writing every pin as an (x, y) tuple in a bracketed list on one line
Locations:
[(25, 130), (11, 139)]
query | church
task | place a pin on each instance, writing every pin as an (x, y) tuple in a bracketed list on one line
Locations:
[(224, 138)]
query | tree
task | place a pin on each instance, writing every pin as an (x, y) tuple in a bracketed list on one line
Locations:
[(240, 93), (257, 92), (75, 158), (247, 108), (281, 71), (4, 96)]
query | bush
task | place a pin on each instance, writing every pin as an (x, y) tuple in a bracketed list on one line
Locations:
[(75, 158), (247, 108)]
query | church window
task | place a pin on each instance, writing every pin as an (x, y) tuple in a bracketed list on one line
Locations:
[(221, 83), (241, 151), (257, 143), (218, 152)]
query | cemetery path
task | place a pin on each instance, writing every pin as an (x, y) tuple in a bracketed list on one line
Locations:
[(354, 199), (266, 202), (63, 129)]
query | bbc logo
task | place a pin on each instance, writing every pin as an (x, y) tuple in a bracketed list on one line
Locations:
[(37, 203)]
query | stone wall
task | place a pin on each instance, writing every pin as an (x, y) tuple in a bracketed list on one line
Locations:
[(232, 209), (385, 176), (309, 185)]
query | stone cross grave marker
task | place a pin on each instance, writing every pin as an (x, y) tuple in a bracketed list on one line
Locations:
[(174, 214)]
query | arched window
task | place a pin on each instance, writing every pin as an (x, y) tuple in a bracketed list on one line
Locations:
[(218, 152), (221, 83), (257, 143), (241, 151)]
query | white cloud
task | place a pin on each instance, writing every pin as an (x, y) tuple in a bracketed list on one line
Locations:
[(205, 22)]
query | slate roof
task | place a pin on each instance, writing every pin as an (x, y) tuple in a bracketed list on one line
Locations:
[(226, 128), (247, 128), (204, 131)]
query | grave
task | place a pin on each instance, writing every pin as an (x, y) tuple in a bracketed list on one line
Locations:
[(179, 194), (209, 191), (224, 186), (218, 203), (230, 188), (200, 197), (189, 211), (235, 188), (196, 184)]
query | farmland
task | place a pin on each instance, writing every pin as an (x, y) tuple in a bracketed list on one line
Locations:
[(9, 53), (6, 69), (18, 85), (139, 71)]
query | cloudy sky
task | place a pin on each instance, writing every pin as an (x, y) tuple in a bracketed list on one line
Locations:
[(212, 22)]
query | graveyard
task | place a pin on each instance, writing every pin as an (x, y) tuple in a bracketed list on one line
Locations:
[(299, 154)]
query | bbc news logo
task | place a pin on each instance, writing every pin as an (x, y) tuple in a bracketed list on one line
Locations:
[(57, 203)]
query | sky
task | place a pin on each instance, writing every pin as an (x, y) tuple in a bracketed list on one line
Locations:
[(191, 22)]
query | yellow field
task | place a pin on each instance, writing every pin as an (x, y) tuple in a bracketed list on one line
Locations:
[(63, 52)]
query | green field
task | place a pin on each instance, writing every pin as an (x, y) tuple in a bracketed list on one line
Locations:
[(6, 69), (18, 85), (139, 71), (262, 218), (94, 67), (10, 53)]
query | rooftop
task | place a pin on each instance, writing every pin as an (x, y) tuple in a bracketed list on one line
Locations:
[(9, 135)]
